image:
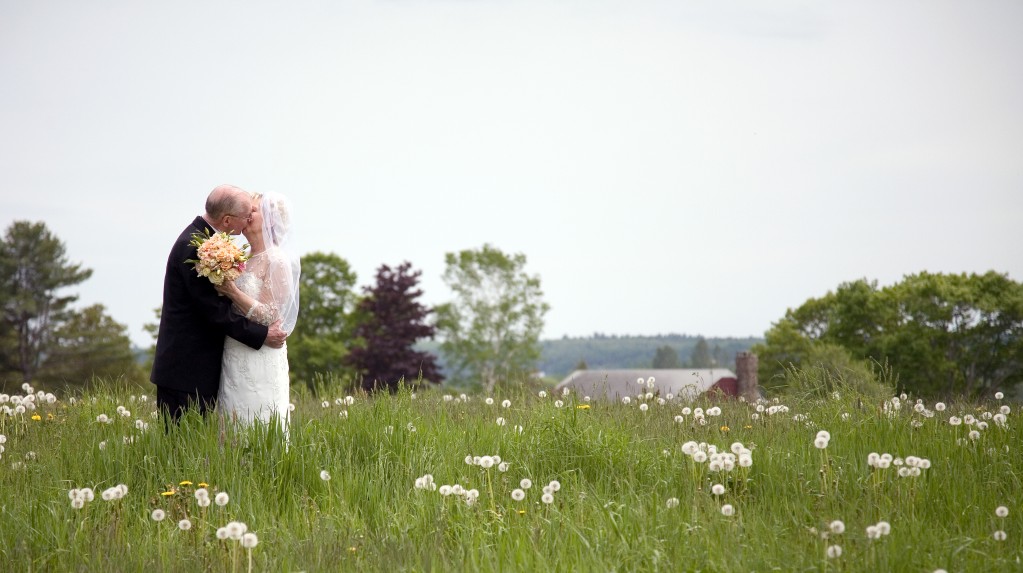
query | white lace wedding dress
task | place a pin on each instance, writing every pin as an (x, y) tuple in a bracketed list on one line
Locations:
[(254, 384)]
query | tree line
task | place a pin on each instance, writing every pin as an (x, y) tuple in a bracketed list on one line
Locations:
[(490, 329)]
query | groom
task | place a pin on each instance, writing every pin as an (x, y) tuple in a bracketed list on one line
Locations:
[(195, 319)]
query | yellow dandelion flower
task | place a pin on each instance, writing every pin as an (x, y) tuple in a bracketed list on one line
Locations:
[(583, 407), (36, 417), (186, 482), (522, 512), (50, 417), (725, 429), (203, 484), (352, 549), (168, 493), (748, 427)]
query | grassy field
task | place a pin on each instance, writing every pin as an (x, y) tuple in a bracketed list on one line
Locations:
[(638, 486)]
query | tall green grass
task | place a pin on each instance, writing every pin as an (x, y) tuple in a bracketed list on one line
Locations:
[(617, 466)]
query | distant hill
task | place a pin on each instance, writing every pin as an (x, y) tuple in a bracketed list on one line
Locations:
[(559, 357)]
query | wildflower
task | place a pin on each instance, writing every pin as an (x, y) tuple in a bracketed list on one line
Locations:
[(700, 456), (168, 493), (185, 483), (999, 395), (679, 419), (547, 498), (249, 540), (884, 527), (500, 421), (626, 400), (558, 403), (940, 406), (486, 462), (221, 499), (526, 483), (1005, 410), (78, 503), (1002, 511), (518, 495), (236, 529), (837, 527), (502, 467), (103, 419), (643, 407), (974, 435), (1000, 535), (542, 394), (36, 417), (325, 475), (672, 502), (555, 485), (445, 490), (489, 401), (727, 510), (834, 551), (820, 443), (349, 400), (158, 514), (583, 407), (506, 403), (184, 525), (565, 391), (717, 489), (955, 421), (725, 429)]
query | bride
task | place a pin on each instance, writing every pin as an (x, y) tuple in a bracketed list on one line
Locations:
[(254, 384)]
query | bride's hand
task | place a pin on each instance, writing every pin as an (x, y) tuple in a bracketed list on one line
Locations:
[(226, 289)]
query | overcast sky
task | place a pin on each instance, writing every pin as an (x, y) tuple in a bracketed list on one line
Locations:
[(665, 166)]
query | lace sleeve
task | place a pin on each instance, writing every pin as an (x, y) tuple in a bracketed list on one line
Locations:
[(263, 313)]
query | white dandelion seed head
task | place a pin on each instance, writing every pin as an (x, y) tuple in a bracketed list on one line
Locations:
[(518, 495), (555, 485), (727, 510), (78, 503), (500, 421), (884, 527), (542, 394), (672, 502), (679, 419), (486, 462), (489, 401), (643, 407), (999, 395), (184, 525), (565, 391), (1002, 511), (249, 540), (834, 551), (939, 406), (108, 495), (202, 493), (324, 475), (974, 435), (1000, 535), (558, 403), (717, 489), (349, 400), (626, 400), (221, 499), (158, 515), (686, 411), (204, 502), (547, 498), (955, 420), (103, 419), (1005, 410), (526, 483), (506, 403), (236, 529), (820, 443), (700, 456), (824, 434), (222, 533), (445, 490), (837, 527)]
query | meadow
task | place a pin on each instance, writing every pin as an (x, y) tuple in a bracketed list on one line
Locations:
[(435, 481)]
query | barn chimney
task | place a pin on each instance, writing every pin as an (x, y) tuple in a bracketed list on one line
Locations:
[(746, 375)]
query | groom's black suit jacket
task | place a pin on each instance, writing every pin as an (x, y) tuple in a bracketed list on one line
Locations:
[(194, 321)]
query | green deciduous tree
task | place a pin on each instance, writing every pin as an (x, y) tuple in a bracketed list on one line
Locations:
[(34, 273), (942, 334), (90, 344), (326, 299), (491, 330), (666, 357)]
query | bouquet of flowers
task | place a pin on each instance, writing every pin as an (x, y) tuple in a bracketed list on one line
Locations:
[(219, 258)]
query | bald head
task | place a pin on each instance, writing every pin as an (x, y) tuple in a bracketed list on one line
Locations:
[(227, 200), (228, 208)]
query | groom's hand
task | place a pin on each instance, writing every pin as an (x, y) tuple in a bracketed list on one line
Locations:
[(275, 337)]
